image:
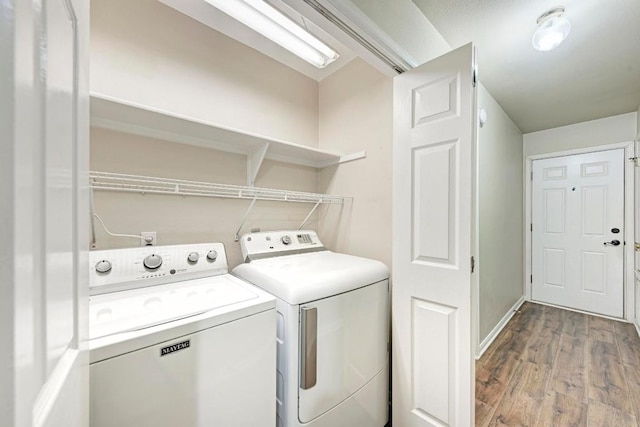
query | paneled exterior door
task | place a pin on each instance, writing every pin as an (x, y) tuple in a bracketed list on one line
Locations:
[(578, 231), (434, 140)]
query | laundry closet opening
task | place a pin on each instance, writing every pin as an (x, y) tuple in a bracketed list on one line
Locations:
[(156, 60)]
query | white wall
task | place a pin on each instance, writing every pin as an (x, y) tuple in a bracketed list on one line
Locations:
[(609, 130), (147, 52), (356, 113), (179, 220), (500, 207)]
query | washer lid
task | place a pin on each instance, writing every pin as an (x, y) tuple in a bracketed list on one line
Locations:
[(307, 277), (142, 308)]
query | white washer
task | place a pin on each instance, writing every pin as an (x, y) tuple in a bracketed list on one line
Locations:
[(333, 329), (176, 341)]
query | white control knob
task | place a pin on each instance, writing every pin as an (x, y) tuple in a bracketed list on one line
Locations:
[(193, 257), (286, 240), (153, 261), (103, 266), (212, 255)]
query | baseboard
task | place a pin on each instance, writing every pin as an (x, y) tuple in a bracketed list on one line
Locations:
[(577, 310), (484, 345)]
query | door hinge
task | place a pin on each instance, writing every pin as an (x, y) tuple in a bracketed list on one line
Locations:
[(473, 264), (475, 77), (531, 228), (637, 246), (531, 176), (531, 278)]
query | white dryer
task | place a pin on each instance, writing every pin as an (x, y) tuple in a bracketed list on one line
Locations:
[(177, 341), (333, 329)]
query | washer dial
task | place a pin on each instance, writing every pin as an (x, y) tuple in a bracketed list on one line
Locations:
[(286, 240), (103, 266), (212, 255), (193, 257), (153, 261)]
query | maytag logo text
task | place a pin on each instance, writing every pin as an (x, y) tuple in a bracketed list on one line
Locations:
[(174, 347)]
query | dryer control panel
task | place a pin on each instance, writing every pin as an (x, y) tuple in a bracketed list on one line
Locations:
[(267, 244), (120, 269)]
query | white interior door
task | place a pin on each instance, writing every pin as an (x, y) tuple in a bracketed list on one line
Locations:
[(578, 231), (44, 213), (434, 140)]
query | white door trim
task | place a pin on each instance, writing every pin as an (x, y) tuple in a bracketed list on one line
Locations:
[(628, 147)]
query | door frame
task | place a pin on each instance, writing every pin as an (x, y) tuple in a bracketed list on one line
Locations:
[(629, 195)]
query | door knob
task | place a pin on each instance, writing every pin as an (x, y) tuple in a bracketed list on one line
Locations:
[(612, 243)]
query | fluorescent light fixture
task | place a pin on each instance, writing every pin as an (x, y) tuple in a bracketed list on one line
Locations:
[(552, 30), (271, 23)]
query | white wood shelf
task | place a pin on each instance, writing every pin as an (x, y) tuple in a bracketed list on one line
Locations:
[(120, 115)]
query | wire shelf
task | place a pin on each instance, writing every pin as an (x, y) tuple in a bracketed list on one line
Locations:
[(109, 181)]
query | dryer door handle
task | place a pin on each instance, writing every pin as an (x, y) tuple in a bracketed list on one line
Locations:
[(308, 347)]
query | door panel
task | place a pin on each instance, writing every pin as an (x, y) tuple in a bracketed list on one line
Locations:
[(594, 203), (434, 177), (434, 137), (579, 200), (554, 204), (554, 267)]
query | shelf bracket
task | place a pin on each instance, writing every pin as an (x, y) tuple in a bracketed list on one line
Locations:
[(346, 158), (310, 213), (352, 157), (254, 161), (244, 219)]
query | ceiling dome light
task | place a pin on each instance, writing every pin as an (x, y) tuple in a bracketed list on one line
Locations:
[(552, 30)]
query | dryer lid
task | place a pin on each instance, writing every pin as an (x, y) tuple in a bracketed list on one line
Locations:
[(307, 277)]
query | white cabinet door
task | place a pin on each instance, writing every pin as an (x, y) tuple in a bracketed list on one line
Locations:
[(44, 211), (578, 231), (434, 140)]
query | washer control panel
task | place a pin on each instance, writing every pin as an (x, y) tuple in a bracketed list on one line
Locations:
[(266, 244), (121, 269)]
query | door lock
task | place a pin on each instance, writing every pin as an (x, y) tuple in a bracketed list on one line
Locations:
[(612, 243)]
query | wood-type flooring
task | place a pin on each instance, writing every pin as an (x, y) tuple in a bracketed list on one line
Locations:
[(554, 367)]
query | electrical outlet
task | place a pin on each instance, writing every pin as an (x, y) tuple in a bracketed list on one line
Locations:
[(148, 238)]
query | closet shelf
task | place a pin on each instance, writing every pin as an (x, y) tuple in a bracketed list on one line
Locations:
[(116, 114), (109, 181)]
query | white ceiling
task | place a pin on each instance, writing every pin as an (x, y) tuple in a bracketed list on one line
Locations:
[(595, 73)]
